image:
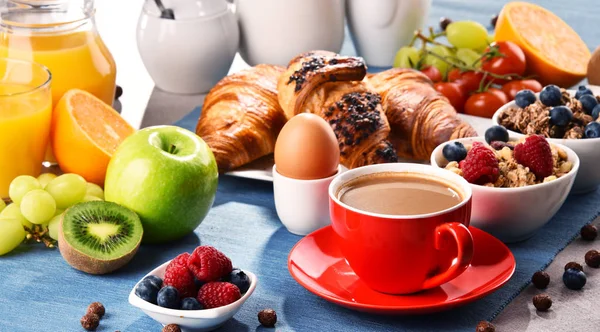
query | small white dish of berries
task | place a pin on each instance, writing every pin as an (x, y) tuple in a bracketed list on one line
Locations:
[(568, 117), (198, 291), (518, 184)]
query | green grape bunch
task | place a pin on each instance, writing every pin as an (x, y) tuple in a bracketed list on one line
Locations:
[(38, 205)]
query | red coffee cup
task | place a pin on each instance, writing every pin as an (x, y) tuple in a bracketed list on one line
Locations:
[(402, 254)]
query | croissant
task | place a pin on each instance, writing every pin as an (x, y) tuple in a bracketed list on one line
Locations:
[(331, 86), (241, 117), (420, 118)]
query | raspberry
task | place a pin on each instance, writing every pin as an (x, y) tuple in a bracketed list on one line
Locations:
[(217, 294), (181, 278), (536, 154), (182, 259), (209, 264), (480, 166)]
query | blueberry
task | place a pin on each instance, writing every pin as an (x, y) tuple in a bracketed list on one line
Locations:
[(147, 291), (190, 303), (496, 133), (551, 95), (168, 297), (596, 112), (574, 279), (561, 115), (588, 102), (240, 279), (525, 98), (155, 280), (592, 130), (118, 92), (198, 283), (454, 151), (582, 90)]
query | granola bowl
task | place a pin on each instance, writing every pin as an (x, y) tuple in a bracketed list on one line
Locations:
[(515, 214), (588, 177)]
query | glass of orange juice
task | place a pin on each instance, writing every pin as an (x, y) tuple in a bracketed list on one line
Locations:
[(25, 115), (61, 35)]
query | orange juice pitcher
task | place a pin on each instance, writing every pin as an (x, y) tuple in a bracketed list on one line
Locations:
[(61, 35)]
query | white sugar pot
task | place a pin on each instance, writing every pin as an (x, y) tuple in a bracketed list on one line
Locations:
[(187, 46)]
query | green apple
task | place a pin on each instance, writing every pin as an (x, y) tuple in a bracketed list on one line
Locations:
[(168, 176)]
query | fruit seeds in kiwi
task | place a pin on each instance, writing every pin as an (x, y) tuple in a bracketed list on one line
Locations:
[(99, 237)]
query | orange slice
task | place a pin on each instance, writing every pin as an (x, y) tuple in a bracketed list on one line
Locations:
[(554, 51), (85, 133)]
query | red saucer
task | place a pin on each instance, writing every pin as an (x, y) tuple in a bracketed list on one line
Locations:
[(317, 264)]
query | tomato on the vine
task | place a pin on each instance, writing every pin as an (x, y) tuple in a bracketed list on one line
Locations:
[(511, 60), (454, 93), (486, 103), (433, 73), (511, 88), (469, 81), (499, 94), (454, 74)]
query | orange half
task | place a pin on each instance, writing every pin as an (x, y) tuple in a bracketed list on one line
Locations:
[(85, 134), (555, 53)]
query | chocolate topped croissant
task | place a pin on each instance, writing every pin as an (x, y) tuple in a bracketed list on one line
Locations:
[(331, 86)]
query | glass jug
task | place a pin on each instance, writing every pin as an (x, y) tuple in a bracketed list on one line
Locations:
[(61, 35)]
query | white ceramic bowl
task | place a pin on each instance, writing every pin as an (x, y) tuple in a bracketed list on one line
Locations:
[(515, 214), (588, 150), (190, 320)]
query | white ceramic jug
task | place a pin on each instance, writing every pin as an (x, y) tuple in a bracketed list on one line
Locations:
[(191, 53), (274, 31), (380, 27)]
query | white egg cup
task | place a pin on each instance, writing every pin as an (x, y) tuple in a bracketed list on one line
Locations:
[(302, 205)]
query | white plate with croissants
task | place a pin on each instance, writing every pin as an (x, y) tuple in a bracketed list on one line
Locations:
[(394, 115)]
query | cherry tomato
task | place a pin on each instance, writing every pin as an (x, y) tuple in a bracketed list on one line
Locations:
[(454, 74), (499, 94), (454, 93), (433, 73), (511, 88), (485, 104), (470, 81), (510, 61)]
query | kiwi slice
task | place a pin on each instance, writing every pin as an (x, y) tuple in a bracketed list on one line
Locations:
[(99, 237)]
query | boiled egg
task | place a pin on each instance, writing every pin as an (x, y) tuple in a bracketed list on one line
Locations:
[(307, 148)]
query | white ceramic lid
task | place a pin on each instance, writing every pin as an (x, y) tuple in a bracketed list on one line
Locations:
[(188, 9)]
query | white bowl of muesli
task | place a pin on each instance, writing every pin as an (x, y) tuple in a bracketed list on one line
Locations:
[(534, 119), (517, 203)]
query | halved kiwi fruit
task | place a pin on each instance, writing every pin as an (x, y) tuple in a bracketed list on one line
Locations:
[(99, 237)]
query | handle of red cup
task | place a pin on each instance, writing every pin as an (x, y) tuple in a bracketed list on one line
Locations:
[(464, 243)]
